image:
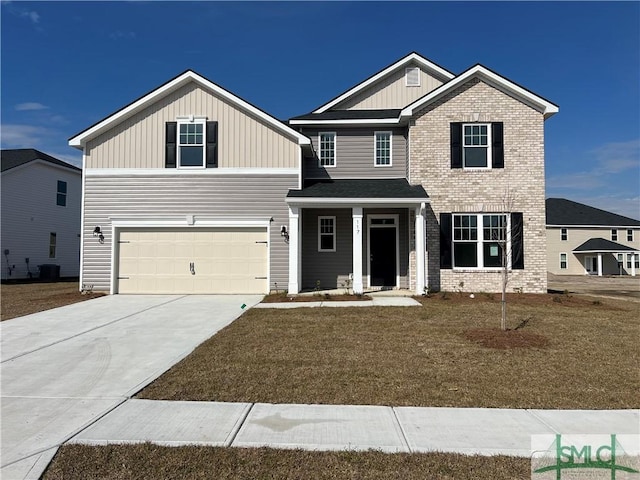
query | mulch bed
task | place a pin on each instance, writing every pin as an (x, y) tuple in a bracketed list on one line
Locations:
[(496, 338), (284, 298)]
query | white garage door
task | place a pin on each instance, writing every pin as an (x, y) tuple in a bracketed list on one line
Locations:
[(220, 260)]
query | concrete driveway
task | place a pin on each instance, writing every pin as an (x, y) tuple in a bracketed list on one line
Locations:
[(65, 368)]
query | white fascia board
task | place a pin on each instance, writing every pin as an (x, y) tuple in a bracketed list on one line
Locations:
[(403, 61), (544, 106), (181, 221), (319, 202), (360, 121), (176, 83), (594, 227), (213, 172), (605, 251)]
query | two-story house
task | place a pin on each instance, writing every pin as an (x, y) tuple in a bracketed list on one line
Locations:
[(399, 182), (584, 240), (40, 215)]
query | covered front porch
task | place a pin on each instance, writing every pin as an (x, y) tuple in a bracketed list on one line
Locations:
[(357, 235), (604, 257)]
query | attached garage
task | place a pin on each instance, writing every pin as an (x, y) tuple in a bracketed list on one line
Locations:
[(192, 261)]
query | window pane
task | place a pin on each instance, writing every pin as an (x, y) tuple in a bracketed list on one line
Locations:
[(326, 242), (492, 253), (191, 156), (465, 255), (183, 128), (62, 186), (475, 157), (61, 200)]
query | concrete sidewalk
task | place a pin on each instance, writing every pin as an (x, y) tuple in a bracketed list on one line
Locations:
[(339, 427)]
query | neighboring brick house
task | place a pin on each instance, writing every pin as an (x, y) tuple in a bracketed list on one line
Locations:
[(398, 182), (584, 240), (40, 216)]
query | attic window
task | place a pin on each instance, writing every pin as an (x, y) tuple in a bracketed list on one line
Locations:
[(412, 76)]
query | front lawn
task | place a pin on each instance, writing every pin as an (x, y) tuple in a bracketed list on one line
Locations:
[(154, 462), (578, 354)]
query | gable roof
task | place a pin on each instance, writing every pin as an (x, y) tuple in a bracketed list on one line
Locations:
[(175, 83), (427, 64), (563, 212), (602, 245), (14, 158), (492, 78)]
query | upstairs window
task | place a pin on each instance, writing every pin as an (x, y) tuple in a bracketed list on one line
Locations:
[(327, 146), (629, 235), (191, 144), (563, 234), (61, 196), (614, 235), (412, 76), (326, 234), (477, 146), (383, 149)]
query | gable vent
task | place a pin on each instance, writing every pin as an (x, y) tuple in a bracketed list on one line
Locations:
[(412, 76)]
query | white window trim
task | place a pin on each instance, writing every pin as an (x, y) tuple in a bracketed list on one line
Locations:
[(489, 142), (480, 242), (614, 234), (332, 218), (564, 231), (335, 149), (629, 235), (186, 120), (566, 261), (375, 149), (406, 77)]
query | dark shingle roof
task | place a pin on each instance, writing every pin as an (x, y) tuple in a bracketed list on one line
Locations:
[(377, 188), (14, 158), (350, 115), (561, 211), (601, 245)]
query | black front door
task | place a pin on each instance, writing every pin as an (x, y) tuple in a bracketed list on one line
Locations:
[(382, 246)]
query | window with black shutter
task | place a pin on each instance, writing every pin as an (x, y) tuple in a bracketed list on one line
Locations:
[(477, 146)]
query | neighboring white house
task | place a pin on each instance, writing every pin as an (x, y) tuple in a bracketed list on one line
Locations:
[(41, 199)]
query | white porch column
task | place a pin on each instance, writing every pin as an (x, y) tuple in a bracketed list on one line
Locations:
[(356, 213), (599, 264), (633, 264), (294, 271), (420, 250)]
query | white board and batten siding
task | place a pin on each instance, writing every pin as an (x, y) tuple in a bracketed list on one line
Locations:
[(244, 141), (232, 199), (30, 214), (391, 92)]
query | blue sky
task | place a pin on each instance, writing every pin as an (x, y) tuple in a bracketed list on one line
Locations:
[(66, 65)]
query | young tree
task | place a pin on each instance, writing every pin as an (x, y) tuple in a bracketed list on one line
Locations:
[(508, 227)]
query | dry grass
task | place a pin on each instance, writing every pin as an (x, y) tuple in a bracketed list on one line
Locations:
[(419, 356), (24, 298), (146, 461)]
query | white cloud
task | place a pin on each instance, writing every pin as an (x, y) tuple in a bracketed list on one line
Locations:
[(617, 157), (22, 136), (117, 35), (30, 106), (69, 158), (19, 11)]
